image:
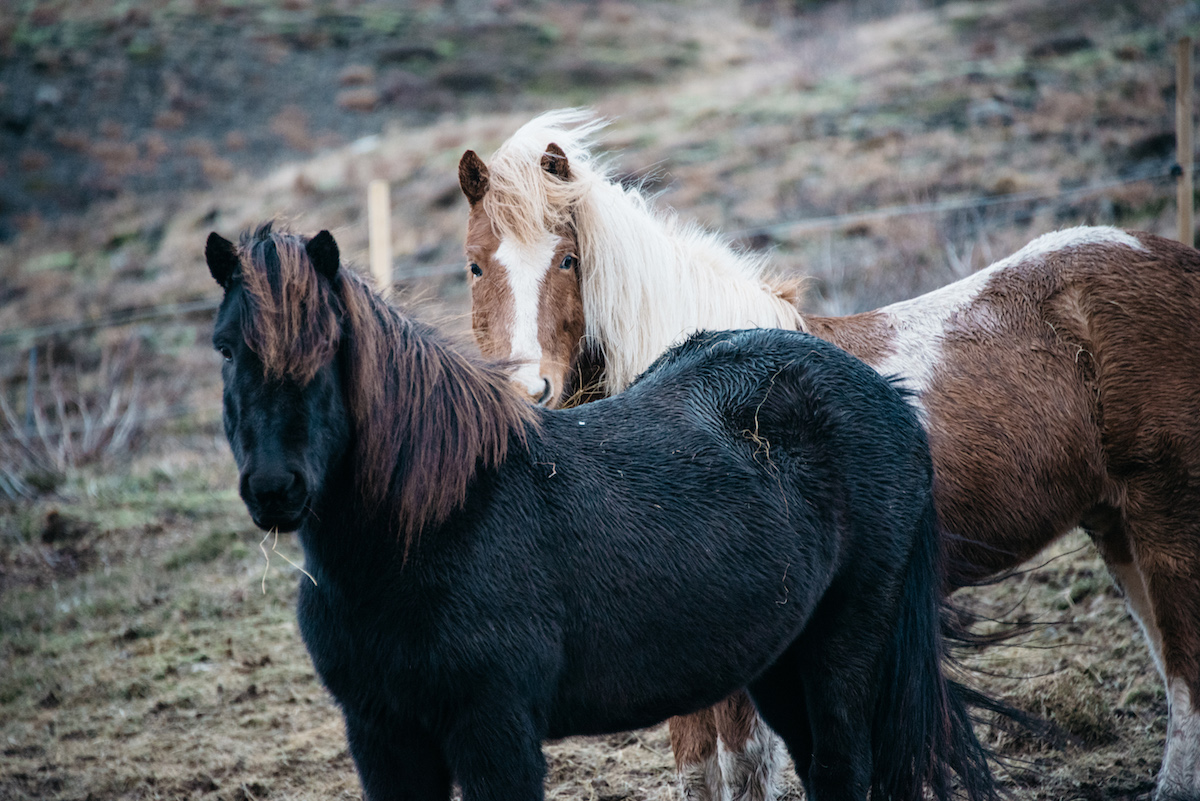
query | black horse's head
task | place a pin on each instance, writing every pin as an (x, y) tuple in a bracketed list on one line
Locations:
[(279, 330)]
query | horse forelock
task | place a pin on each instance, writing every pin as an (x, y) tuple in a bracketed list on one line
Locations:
[(524, 201), (291, 320), (425, 417)]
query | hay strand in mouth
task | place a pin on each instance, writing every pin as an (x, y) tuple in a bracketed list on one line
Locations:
[(274, 549)]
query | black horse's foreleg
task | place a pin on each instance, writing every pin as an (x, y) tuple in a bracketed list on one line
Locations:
[(839, 657), (496, 755), (779, 696), (840, 710), (396, 761)]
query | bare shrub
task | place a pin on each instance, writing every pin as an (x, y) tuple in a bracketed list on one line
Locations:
[(79, 417)]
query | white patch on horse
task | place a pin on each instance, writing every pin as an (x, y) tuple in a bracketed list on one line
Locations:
[(921, 323), (526, 264), (1179, 776), (751, 774), (1137, 598), (1180, 773), (701, 781)]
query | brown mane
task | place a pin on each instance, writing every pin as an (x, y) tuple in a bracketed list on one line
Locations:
[(426, 417), (292, 316)]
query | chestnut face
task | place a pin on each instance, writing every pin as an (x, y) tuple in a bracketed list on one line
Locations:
[(526, 306)]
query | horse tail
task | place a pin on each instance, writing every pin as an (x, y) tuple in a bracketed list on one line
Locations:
[(922, 733)]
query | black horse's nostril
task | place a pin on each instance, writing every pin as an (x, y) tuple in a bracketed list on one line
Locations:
[(274, 489), (271, 481), (544, 398)]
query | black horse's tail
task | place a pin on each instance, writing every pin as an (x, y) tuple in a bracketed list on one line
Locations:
[(922, 734)]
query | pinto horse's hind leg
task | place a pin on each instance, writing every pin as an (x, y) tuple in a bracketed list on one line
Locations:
[(694, 743), (726, 753), (748, 750), (1156, 560)]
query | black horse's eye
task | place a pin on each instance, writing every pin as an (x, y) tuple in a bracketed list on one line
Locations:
[(225, 352), (476, 270), (569, 261)]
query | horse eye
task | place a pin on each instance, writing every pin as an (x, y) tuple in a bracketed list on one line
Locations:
[(568, 262), (225, 352), (476, 270)]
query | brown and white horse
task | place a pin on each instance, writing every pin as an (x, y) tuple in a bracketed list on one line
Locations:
[(1060, 387)]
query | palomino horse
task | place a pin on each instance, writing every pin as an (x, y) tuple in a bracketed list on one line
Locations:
[(1060, 386), (757, 511)]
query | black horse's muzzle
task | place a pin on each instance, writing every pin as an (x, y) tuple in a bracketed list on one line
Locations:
[(275, 498)]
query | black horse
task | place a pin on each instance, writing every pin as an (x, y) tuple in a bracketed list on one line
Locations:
[(754, 512)]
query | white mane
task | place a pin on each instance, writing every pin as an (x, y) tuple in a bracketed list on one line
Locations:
[(647, 279)]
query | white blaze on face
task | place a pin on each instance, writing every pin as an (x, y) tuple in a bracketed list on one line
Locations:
[(526, 264)]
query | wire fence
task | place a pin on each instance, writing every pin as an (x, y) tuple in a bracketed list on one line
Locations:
[(21, 436), (169, 311), (940, 207), (410, 271)]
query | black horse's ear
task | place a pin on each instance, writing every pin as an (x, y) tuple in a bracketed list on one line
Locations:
[(472, 177), (323, 253), (554, 161), (222, 258)]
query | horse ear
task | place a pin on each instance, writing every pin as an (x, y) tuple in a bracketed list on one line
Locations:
[(472, 176), (554, 161), (222, 258), (323, 253)]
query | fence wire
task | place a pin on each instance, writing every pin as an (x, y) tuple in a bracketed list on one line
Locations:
[(412, 271)]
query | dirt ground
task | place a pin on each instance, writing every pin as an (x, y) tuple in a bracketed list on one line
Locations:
[(150, 651), (148, 646)]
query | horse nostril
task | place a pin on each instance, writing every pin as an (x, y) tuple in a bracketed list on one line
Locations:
[(296, 487), (273, 486), (544, 398)]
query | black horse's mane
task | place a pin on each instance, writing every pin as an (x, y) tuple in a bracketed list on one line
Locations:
[(426, 416)]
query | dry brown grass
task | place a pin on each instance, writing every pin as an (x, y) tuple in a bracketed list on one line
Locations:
[(80, 415)]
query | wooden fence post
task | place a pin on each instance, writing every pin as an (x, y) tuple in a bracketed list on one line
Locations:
[(31, 390), (1185, 154), (379, 232)]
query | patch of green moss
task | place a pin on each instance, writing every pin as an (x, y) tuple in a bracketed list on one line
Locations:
[(205, 550)]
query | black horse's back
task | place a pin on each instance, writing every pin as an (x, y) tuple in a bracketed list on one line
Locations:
[(871, 440), (794, 466)]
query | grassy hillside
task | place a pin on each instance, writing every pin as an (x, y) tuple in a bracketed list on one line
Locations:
[(147, 644)]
